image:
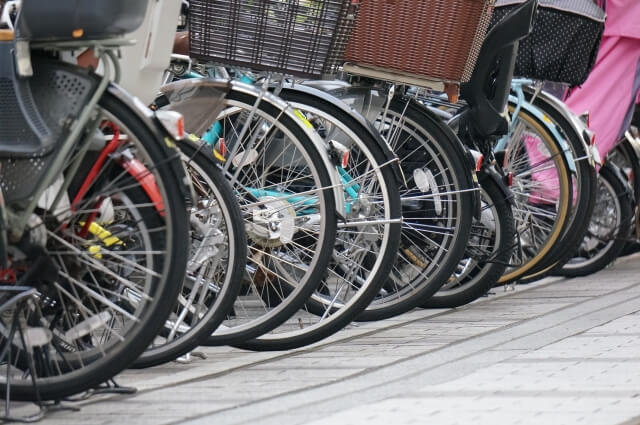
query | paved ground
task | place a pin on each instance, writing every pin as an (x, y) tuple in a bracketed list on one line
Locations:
[(555, 352)]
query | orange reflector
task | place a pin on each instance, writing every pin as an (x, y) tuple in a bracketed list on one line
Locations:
[(77, 33), (222, 146), (345, 159), (479, 162), (510, 179), (180, 128), (6, 35), (453, 92)]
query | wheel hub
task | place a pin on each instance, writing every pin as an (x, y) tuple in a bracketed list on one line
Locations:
[(272, 223)]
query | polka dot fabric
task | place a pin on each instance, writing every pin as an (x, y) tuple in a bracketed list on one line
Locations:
[(562, 46)]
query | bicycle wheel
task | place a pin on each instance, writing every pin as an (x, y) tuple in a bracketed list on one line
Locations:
[(437, 208), (489, 249), (542, 190), (98, 264), (584, 181), (216, 265), (364, 253), (609, 227), (626, 158), (288, 205)]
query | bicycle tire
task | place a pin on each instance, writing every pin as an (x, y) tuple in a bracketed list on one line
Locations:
[(483, 275), (585, 184), (328, 312), (209, 185), (427, 145), (521, 198), (615, 192), (123, 354), (278, 305), (625, 156)]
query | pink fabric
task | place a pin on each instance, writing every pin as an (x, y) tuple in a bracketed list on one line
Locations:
[(609, 92), (546, 181), (623, 18)]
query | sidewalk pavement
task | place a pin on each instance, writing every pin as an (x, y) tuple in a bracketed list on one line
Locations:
[(553, 352)]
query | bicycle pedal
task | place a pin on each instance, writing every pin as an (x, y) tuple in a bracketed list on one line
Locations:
[(509, 287), (189, 357)]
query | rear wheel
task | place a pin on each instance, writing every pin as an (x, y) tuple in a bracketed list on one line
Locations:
[(437, 207), (488, 251), (216, 265), (276, 169), (364, 253), (609, 227), (101, 267)]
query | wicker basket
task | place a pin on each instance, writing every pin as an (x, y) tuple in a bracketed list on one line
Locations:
[(305, 38), (437, 40)]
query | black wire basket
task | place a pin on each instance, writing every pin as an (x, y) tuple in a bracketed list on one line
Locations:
[(36, 113), (304, 38)]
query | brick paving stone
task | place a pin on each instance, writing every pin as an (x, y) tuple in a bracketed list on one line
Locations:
[(558, 352)]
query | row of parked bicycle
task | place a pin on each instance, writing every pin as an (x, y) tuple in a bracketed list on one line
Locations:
[(259, 209)]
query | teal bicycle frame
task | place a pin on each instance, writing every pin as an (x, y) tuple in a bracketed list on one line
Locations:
[(520, 103), (351, 188)]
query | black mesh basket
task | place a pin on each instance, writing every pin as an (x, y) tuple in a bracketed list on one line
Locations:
[(564, 43), (36, 113), (305, 38)]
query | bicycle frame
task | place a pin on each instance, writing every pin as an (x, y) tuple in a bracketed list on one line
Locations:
[(533, 90), (520, 103), (18, 221), (87, 123), (210, 136)]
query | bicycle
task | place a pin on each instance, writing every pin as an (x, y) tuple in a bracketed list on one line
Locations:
[(278, 169), (95, 204)]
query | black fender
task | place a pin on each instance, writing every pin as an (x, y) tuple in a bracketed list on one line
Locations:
[(3, 233), (463, 153), (370, 101), (490, 172), (619, 173), (146, 115), (389, 155)]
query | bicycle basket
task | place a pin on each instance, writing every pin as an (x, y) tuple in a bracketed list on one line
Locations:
[(64, 20), (437, 40), (564, 43), (36, 113), (305, 38)]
